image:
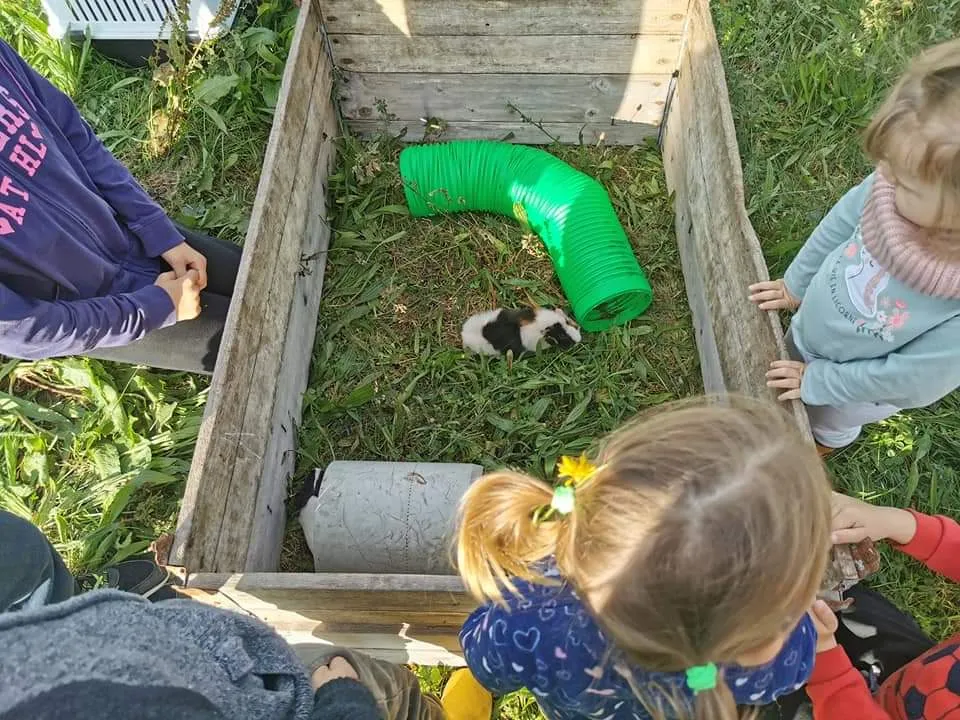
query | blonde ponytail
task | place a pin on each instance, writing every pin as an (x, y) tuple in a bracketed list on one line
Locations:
[(718, 704), (498, 538)]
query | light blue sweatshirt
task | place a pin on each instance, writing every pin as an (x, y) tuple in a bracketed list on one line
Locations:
[(872, 338)]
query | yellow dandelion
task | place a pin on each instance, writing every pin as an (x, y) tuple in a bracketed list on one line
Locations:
[(576, 469)]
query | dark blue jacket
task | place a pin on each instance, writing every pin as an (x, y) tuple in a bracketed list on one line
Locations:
[(79, 238), (549, 643)]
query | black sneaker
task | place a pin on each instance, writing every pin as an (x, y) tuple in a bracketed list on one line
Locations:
[(140, 577)]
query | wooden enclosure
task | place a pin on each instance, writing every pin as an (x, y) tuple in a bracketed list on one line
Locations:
[(532, 71)]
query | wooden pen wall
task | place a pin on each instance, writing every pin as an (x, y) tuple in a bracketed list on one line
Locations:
[(530, 71)]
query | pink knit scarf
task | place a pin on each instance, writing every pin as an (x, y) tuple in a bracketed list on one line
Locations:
[(907, 251)]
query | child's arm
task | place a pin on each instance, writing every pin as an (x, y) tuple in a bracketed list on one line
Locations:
[(922, 371), (140, 213), (837, 690), (35, 329), (835, 229), (933, 540), (486, 662)]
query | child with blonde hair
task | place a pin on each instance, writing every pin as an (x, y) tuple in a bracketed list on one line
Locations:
[(877, 285), (672, 579)]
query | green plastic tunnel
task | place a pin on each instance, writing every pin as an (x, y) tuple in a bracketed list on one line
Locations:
[(570, 211)]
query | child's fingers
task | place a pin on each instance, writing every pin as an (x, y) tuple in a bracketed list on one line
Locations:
[(796, 364), (789, 395), (760, 295), (784, 384), (784, 374), (848, 536), (764, 285), (775, 305), (823, 618)]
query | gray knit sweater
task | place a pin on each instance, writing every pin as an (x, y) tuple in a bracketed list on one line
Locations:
[(243, 668)]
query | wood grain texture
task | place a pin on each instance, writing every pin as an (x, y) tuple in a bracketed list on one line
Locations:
[(516, 131), (402, 618), (503, 98), (505, 17), (548, 54), (720, 250), (220, 511)]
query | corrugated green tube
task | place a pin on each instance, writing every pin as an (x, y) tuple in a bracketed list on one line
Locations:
[(570, 211)]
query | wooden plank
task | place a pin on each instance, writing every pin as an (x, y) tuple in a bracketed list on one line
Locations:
[(402, 618), (503, 98), (401, 648), (505, 17), (720, 250), (204, 524), (279, 459), (546, 54), (516, 131)]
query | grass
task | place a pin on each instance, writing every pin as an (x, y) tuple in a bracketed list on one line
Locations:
[(390, 380), (95, 453), (804, 79)]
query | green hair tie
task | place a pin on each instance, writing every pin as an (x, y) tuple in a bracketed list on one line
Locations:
[(702, 677)]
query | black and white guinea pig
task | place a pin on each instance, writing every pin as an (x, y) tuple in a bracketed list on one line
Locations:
[(494, 332)]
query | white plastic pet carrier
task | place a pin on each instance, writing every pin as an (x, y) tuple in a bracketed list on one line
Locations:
[(129, 19)]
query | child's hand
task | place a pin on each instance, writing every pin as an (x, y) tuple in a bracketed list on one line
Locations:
[(854, 520), (786, 375), (826, 624), (333, 670), (184, 291), (773, 295), (183, 258)]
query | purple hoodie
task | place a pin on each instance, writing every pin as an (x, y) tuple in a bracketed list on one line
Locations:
[(80, 240)]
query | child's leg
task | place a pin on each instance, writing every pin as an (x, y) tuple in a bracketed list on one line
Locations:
[(396, 689), (189, 346), (837, 427), (32, 573)]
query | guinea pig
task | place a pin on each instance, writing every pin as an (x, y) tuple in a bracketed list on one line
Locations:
[(495, 332)]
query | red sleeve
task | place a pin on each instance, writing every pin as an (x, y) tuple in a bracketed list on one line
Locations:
[(837, 690), (936, 544)]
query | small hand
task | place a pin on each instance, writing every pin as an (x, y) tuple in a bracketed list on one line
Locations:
[(786, 375), (183, 258), (825, 622), (854, 520), (773, 295), (337, 668), (184, 292)]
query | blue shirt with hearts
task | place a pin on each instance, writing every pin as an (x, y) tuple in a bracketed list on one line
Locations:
[(548, 642)]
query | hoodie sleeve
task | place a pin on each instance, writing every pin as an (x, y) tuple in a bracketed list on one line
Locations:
[(835, 229), (918, 374), (484, 656), (837, 690), (35, 329), (344, 699), (145, 218)]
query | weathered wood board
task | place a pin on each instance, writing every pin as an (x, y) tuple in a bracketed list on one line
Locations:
[(537, 54), (232, 515), (719, 248), (459, 97), (504, 17), (485, 68), (401, 618), (519, 132)]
